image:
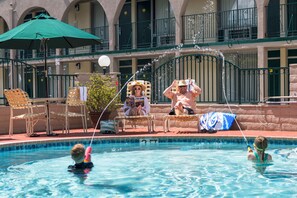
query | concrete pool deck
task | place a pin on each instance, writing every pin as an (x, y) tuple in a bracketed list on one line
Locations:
[(141, 132)]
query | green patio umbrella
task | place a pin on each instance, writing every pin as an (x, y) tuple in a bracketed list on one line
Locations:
[(43, 32), (32, 34)]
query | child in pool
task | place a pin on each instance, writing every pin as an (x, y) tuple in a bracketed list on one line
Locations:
[(259, 156), (81, 158)]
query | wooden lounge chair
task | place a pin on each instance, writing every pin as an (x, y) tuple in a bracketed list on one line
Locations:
[(180, 118), (133, 119), (73, 100), (21, 108)]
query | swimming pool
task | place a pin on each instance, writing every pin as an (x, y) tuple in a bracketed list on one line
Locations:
[(158, 168)]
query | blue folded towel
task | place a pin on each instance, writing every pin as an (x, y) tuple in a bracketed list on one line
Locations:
[(215, 121)]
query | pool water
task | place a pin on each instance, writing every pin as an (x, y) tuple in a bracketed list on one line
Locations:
[(155, 170)]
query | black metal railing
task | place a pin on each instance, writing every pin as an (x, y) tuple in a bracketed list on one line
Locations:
[(146, 34), (17, 74), (220, 26), (236, 84), (200, 28), (164, 32), (60, 83), (218, 81)]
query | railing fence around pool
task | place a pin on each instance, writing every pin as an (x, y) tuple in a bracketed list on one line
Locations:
[(243, 85), (32, 80)]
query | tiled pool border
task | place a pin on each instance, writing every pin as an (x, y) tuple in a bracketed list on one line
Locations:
[(86, 141)]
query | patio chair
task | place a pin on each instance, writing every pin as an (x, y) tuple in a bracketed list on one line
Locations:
[(180, 118), (21, 108), (133, 119), (73, 101)]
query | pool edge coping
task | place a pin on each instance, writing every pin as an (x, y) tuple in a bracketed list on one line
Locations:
[(70, 139)]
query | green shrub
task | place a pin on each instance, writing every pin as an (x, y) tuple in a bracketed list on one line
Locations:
[(101, 90)]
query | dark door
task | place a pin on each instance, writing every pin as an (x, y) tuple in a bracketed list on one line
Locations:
[(274, 77), (273, 14), (40, 77), (126, 73), (143, 24), (274, 73), (29, 81), (125, 28), (291, 17), (145, 75)]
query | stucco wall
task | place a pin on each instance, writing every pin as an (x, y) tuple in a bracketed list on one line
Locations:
[(293, 79), (200, 6), (250, 117)]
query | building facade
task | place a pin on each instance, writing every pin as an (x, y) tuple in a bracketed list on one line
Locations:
[(241, 48)]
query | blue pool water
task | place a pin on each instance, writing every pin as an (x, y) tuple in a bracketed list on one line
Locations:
[(175, 169)]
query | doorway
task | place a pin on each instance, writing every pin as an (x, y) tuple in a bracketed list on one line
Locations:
[(143, 24)]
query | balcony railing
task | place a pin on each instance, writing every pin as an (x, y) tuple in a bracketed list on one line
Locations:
[(146, 34), (220, 26), (200, 28)]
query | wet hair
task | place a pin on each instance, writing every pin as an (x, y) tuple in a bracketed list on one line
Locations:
[(78, 153), (261, 144)]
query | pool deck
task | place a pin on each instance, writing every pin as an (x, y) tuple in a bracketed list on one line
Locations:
[(141, 132)]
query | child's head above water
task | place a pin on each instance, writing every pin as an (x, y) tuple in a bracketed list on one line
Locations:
[(260, 143), (78, 153)]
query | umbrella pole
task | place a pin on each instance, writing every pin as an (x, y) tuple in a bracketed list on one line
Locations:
[(48, 126), (45, 67)]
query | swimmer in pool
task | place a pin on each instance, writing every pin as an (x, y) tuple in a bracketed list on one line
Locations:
[(259, 156), (82, 162)]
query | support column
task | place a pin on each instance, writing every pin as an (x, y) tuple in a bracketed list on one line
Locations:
[(283, 63), (58, 71), (112, 37), (262, 63), (133, 23), (134, 66), (178, 30), (2, 51), (262, 17), (114, 72), (12, 80), (113, 65)]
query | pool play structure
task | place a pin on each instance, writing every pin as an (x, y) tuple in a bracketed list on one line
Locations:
[(149, 167)]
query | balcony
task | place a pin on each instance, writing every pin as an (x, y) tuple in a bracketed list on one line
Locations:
[(146, 34), (220, 26)]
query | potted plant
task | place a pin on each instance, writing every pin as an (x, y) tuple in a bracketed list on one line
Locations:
[(101, 91)]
